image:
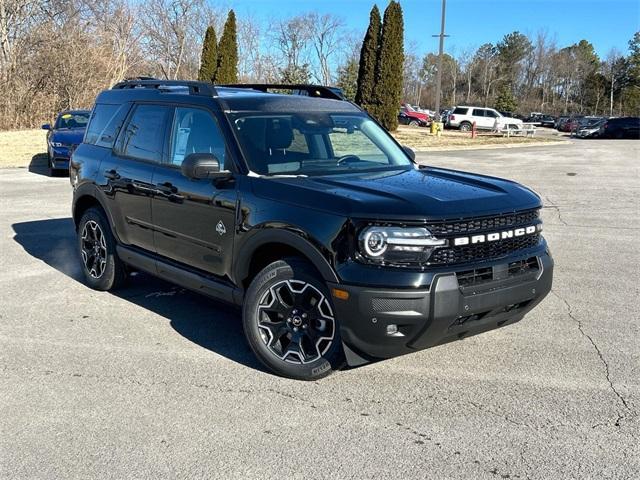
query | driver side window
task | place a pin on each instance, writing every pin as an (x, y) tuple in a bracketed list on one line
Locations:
[(195, 131)]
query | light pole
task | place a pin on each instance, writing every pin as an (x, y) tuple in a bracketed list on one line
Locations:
[(440, 55)]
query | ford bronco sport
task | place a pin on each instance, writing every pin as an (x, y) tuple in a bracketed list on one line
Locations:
[(308, 214)]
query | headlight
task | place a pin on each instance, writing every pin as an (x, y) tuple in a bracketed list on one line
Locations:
[(57, 144), (399, 245)]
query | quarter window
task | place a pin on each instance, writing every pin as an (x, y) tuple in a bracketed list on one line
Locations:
[(196, 131), (106, 121)]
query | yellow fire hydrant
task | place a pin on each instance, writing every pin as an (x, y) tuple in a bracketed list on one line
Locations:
[(436, 128)]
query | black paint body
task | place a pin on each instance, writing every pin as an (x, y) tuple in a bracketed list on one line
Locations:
[(166, 224)]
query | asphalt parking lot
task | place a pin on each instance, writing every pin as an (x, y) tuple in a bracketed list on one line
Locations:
[(157, 382)]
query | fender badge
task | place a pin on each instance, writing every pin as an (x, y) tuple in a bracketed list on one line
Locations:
[(220, 228)]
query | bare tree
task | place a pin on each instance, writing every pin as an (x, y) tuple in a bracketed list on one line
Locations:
[(327, 35), (173, 35), (291, 38)]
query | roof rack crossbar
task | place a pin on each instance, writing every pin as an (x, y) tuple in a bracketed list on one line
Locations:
[(195, 88), (321, 91)]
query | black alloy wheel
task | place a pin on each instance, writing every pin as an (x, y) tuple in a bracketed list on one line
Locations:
[(290, 323)]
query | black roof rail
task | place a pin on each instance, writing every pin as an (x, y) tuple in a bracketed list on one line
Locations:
[(195, 88), (320, 91)]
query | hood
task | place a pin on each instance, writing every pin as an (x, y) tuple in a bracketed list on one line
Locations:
[(68, 137), (420, 115), (426, 194)]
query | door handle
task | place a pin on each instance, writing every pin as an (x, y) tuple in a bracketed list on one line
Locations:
[(112, 174), (168, 190)]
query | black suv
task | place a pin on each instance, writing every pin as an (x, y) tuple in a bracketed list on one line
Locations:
[(622, 127), (308, 214)]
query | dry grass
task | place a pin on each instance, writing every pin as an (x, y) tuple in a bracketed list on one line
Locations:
[(18, 147), (420, 139)]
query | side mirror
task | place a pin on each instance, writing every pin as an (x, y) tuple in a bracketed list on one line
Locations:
[(46, 126), (410, 153), (202, 165)]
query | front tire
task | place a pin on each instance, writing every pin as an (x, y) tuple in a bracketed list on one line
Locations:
[(102, 268), (290, 323)]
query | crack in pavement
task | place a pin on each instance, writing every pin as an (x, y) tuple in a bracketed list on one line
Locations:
[(599, 352), (555, 207)]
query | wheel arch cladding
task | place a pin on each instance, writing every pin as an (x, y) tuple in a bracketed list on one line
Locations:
[(82, 204), (271, 245)]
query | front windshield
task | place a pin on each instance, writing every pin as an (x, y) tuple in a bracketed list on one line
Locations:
[(315, 144), (72, 120)]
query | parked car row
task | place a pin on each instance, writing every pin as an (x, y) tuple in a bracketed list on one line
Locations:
[(600, 127)]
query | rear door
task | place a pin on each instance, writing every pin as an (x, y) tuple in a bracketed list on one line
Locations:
[(194, 220), (127, 174), (480, 119)]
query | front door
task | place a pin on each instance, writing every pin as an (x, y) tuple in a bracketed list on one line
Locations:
[(194, 220)]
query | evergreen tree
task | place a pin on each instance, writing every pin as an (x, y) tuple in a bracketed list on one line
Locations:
[(293, 74), (348, 79), (389, 68), (505, 102), (209, 59), (227, 70), (368, 60)]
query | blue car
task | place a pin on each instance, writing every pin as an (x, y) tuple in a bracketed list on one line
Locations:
[(65, 135)]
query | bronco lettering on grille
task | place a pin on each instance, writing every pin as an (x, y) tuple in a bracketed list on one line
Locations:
[(495, 236)]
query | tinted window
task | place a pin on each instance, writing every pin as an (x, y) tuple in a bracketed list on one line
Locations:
[(490, 113), (143, 136), (308, 143), (195, 131), (478, 112), (460, 111), (106, 121), (100, 117)]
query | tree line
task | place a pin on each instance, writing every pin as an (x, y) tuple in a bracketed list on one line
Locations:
[(58, 54), (531, 74)]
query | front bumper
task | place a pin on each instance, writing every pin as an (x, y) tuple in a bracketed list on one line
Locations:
[(378, 323), (60, 157)]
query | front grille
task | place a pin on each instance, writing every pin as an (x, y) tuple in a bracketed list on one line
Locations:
[(482, 224), (482, 251)]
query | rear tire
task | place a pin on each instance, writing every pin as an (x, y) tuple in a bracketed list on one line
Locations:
[(290, 323), (102, 268), (465, 127)]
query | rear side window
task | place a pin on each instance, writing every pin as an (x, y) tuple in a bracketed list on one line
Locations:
[(105, 124), (478, 112), (460, 111), (143, 137)]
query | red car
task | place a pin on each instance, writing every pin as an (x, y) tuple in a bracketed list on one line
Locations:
[(409, 116)]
